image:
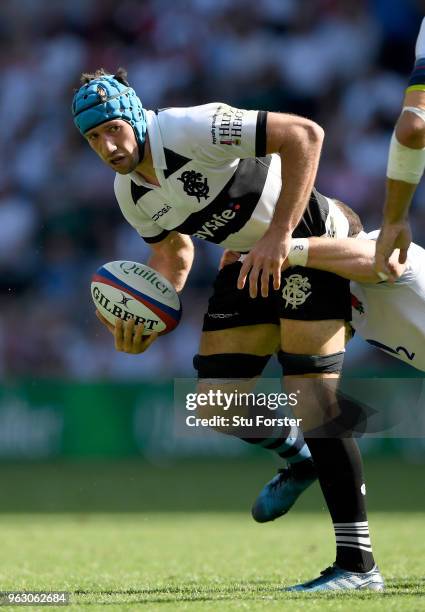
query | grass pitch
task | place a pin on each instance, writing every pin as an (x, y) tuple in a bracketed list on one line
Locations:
[(217, 561), (195, 559)]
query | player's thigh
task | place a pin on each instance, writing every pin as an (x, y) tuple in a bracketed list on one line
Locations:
[(231, 360), (312, 337), (262, 339)]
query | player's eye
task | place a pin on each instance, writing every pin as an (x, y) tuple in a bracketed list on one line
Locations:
[(114, 128)]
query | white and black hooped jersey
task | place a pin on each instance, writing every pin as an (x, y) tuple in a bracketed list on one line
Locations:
[(216, 181), (391, 316)]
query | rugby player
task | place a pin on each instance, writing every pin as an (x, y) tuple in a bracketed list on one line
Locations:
[(406, 164), (216, 172), (390, 316), (387, 315)]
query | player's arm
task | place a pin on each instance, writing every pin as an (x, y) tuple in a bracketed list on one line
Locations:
[(299, 142), (173, 258), (352, 258), (406, 164)]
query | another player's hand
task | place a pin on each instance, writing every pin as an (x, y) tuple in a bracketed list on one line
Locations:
[(266, 258), (392, 236), (128, 336), (227, 258)]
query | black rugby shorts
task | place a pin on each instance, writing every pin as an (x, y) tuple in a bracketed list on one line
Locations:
[(305, 294)]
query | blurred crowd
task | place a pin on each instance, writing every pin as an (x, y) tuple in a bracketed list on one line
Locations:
[(343, 63)]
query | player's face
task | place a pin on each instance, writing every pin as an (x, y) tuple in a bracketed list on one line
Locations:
[(116, 145)]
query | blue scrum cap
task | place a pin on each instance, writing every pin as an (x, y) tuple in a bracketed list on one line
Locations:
[(105, 98)]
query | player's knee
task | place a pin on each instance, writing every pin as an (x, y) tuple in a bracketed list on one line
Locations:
[(225, 372), (302, 365), (315, 379)]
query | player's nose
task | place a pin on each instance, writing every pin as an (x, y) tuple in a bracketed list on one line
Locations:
[(108, 147)]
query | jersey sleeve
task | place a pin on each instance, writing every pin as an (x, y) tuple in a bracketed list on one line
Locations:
[(149, 230), (218, 132)]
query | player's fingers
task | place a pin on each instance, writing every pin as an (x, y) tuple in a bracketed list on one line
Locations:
[(147, 340), (265, 278), (253, 280), (137, 340), (119, 335), (128, 335), (105, 322), (381, 266), (276, 271), (402, 256), (244, 271)]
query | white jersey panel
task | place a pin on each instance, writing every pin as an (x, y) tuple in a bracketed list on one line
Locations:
[(215, 181), (210, 179), (211, 133), (391, 316)]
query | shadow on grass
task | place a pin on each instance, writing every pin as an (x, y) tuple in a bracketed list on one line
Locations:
[(251, 590)]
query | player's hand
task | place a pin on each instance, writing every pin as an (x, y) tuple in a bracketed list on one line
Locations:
[(227, 258), (128, 336), (392, 236), (266, 258)]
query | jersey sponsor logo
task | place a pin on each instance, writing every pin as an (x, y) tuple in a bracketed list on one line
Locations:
[(230, 126), (161, 212), (194, 184), (296, 290), (218, 220)]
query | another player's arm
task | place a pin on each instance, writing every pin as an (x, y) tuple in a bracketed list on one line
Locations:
[(352, 258), (410, 133), (171, 257), (299, 143), (406, 164)]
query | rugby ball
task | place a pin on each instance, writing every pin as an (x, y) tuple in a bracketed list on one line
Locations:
[(130, 290)]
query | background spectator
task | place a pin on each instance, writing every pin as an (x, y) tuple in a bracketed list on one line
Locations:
[(342, 63)]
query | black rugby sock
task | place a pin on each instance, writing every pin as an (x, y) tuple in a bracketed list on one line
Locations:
[(340, 471)]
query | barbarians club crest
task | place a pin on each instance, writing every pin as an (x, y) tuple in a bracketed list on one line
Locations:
[(194, 184), (296, 290)]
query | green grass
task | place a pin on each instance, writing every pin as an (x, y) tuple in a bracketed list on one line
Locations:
[(201, 561), (129, 535)]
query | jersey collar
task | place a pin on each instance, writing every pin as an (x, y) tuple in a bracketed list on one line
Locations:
[(157, 151), (155, 141)]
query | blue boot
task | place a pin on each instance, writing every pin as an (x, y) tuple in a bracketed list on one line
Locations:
[(336, 579), (280, 494)]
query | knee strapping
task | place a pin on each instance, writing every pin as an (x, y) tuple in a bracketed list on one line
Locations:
[(297, 365), (230, 365)]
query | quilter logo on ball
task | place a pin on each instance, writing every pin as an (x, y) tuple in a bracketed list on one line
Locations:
[(147, 274)]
